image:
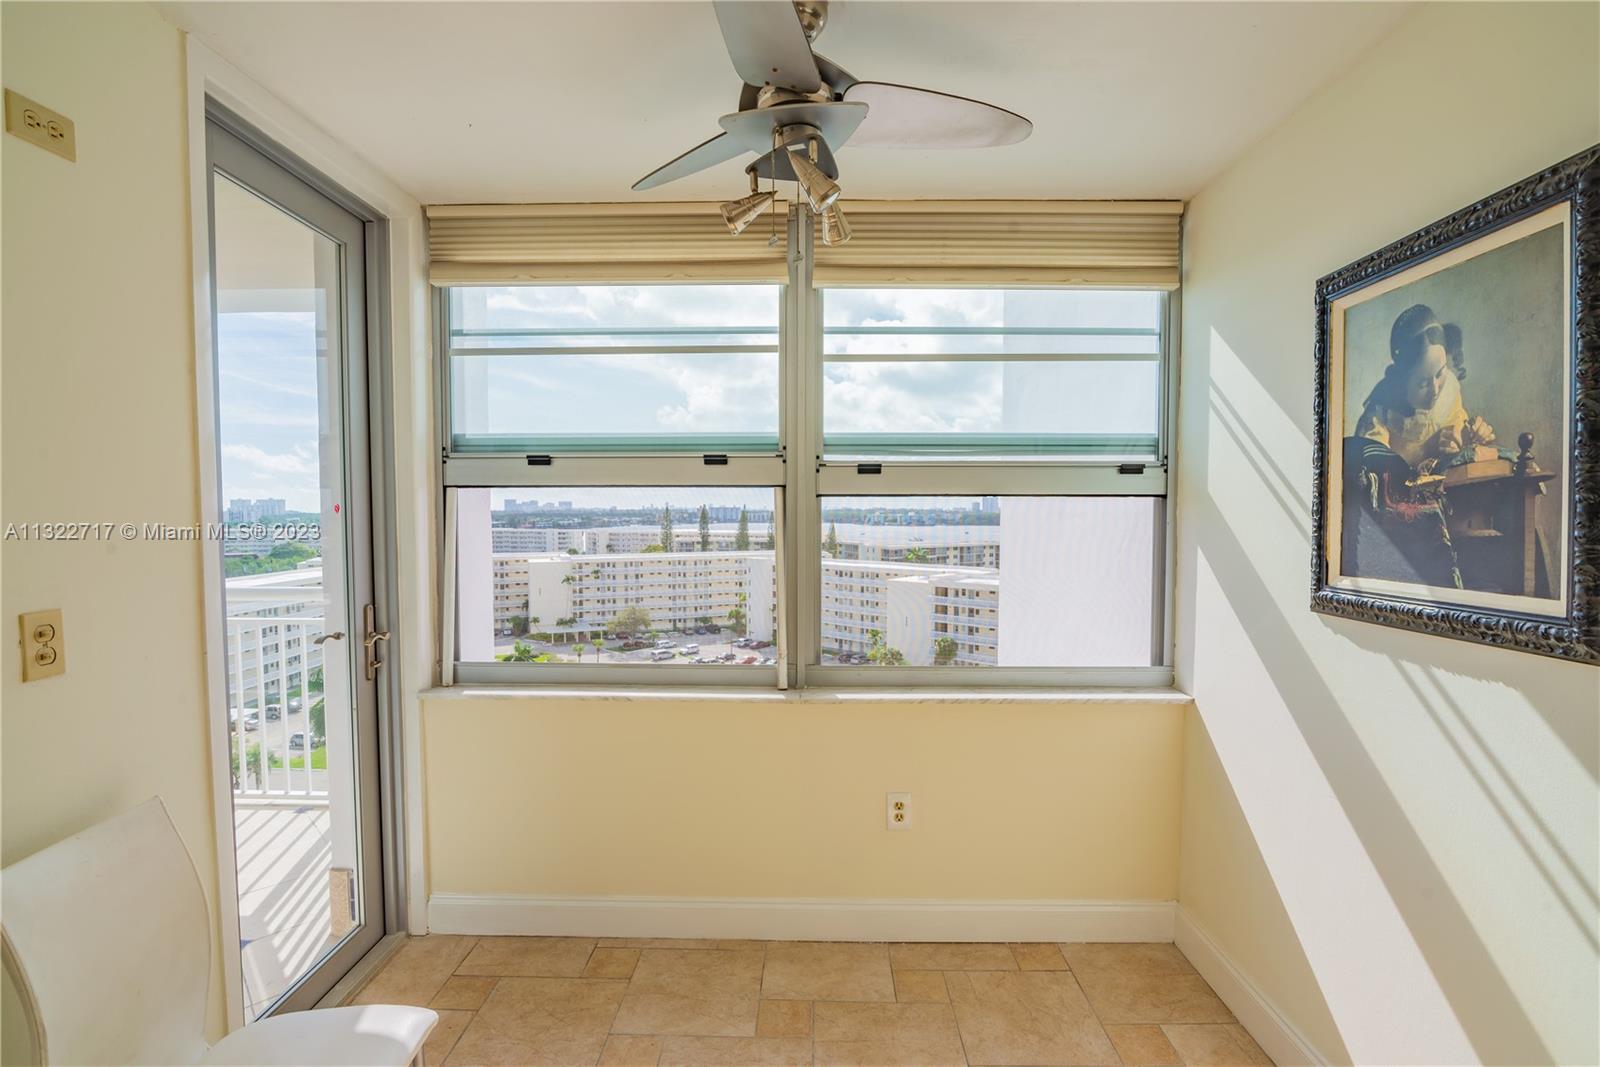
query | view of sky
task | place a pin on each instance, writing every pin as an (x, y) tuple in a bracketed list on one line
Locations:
[(268, 374)]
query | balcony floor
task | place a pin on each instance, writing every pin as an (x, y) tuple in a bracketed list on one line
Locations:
[(284, 854)]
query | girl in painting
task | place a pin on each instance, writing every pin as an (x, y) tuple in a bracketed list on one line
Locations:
[(1413, 422), (1416, 411)]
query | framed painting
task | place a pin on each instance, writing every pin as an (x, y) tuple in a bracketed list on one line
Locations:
[(1457, 462)]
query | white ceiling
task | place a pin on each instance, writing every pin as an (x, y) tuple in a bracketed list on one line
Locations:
[(527, 102)]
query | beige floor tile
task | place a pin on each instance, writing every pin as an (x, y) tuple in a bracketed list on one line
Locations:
[(467, 994), (658, 942), (1143, 1045), (445, 1035), (626, 1051), (1039, 957), (694, 992), (886, 1035), (934, 957), (736, 945), (415, 974), (784, 1018), (735, 1051), (1216, 1046), (817, 970), (927, 987), (1027, 1017), (1162, 998), (528, 957), (1132, 958), (612, 963), (540, 1021)]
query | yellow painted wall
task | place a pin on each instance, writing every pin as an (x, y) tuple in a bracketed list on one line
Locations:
[(1422, 810), (99, 424), (773, 798)]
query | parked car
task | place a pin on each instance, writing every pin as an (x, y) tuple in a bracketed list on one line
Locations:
[(748, 660), (713, 629), (691, 648), (661, 654), (275, 712), (664, 642), (295, 705), (702, 630), (297, 742), (727, 657), (769, 662), (252, 721)]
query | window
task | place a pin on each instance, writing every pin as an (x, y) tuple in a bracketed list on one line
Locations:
[(653, 368), (965, 485), (632, 577)]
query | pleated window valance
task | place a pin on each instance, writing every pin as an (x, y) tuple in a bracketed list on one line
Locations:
[(1006, 242), (504, 244), (913, 242)]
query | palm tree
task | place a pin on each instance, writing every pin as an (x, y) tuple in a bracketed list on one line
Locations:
[(917, 555), (741, 539), (944, 651), (705, 529)]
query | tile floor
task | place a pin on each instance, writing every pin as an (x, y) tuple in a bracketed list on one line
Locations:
[(618, 1001)]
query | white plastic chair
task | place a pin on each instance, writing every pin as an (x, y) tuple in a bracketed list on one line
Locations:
[(107, 936)]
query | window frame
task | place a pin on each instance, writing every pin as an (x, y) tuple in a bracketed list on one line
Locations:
[(799, 487)]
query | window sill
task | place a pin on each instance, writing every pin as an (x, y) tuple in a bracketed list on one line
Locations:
[(832, 695)]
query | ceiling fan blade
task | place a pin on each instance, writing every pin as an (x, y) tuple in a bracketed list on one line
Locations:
[(901, 116), (706, 154), (837, 77), (767, 44)]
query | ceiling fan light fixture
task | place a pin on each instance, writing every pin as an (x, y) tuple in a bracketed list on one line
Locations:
[(835, 227), (740, 213), (819, 190)]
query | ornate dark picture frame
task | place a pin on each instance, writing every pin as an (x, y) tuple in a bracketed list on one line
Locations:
[(1572, 633)]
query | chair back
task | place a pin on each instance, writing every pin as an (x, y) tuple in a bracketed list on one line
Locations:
[(107, 935)]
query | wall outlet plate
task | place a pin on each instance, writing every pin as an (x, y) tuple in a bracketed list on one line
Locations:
[(37, 124), (898, 811), (43, 645)]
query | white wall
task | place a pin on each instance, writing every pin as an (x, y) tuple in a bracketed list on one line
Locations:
[(720, 795), (1397, 834), (99, 424)]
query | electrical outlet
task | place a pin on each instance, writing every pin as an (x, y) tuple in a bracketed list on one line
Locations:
[(37, 124), (899, 811), (43, 645)]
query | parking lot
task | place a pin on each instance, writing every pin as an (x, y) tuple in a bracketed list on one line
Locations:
[(725, 647)]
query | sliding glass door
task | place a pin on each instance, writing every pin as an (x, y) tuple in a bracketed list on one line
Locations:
[(302, 644)]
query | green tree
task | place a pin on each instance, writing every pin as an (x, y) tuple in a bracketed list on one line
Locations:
[(666, 527), (632, 619), (519, 625), (736, 616), (741, 539), (770, 542), (917, 555), (652, 548), (319, 720), (573, 552), (705, 529), (521, 653), (879, 652), (944, 651), (314, 681), (831, 545), (579, 649)]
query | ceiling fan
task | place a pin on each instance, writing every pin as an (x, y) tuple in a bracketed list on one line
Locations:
[(798, 108)]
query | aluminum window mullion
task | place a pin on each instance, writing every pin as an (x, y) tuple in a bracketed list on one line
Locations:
[(613, 470), (619, 350), (922, 478), (991, 357)]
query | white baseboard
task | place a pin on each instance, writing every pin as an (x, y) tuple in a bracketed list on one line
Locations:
[(798, 920), (1272, 1030)]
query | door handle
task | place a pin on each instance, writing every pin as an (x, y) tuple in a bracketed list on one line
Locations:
[(370, 641), (337, 635)]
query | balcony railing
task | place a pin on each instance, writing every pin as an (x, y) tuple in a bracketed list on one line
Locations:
[(271, 663)]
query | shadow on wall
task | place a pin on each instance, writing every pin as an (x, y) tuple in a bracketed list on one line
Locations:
[(1276, 395), (1483, 1001)]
